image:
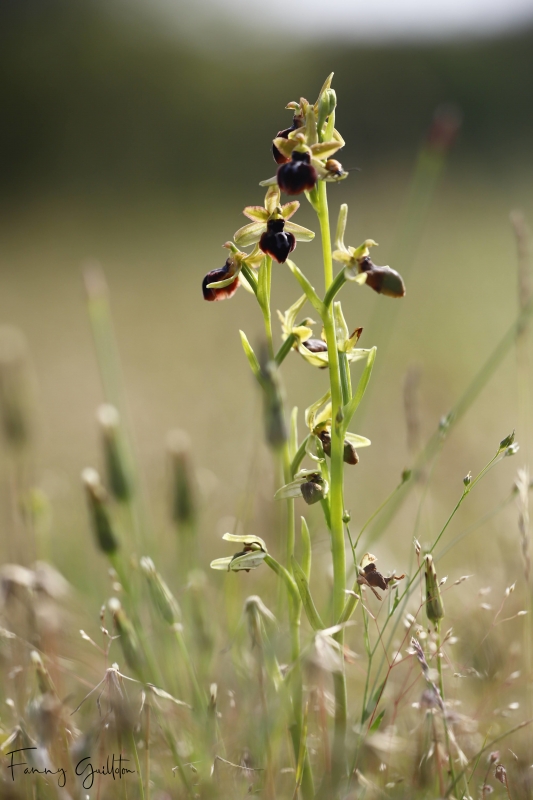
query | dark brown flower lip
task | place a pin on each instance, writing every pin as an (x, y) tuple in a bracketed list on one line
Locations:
[(276, 242), (316, 345), (219, 275), (297, 175)]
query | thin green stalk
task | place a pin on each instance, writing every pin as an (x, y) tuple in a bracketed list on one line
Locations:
[(285, 349), (466, 400), (334, 288), (441, 690), (200, 700), (336, 491), (138, 766)]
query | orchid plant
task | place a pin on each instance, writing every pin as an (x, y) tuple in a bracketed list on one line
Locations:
[(304, 154)]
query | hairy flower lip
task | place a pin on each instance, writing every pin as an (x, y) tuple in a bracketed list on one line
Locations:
[(297, 175), (276, 242), (218, 275)]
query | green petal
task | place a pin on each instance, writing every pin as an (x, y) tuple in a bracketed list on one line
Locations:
[(356, 440), (324, 150), (290, 490), (358, 354), (230, 537), (257, 213), (315, 359), (311, 412), (222, 284), (289, 209), (269, 181), (300, 234), (285, 146), (221, 563), (247, 561), (249, 234), (272, 199)]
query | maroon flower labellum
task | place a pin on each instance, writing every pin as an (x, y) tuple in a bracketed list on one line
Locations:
[(219, 275), (297, 175), (316, 346), (276, 242), (313, 489), (382, 280), (350, 455)]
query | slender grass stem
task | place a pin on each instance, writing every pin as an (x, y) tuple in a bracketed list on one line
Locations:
[(441, 690)]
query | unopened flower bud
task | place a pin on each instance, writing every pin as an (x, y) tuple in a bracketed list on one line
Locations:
[(183, 487), (98, 509), (467, 480), (128, 638), (507, 442), (162, 597), (117, 472), (297, 175), (434, 604)]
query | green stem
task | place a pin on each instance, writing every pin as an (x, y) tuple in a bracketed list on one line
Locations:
[(334, 288), (336, 492), (285, 349), (444, 720)]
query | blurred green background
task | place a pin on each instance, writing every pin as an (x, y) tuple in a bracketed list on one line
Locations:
[(123, 142)]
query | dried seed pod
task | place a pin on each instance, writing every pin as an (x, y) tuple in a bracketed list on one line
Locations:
[(297, 175), (276, 242), (219, 275)]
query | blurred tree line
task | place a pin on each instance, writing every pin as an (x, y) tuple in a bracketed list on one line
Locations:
[(93, 98)]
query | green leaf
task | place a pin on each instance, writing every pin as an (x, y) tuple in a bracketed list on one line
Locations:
[(377, 722), (305, 595), (293, 439), (250, 355), (312, 296), (351, 407), (373, 702), (285, 576), (306, 549)]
